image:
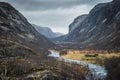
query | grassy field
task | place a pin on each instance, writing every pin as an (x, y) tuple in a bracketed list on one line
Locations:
[(99, 60)]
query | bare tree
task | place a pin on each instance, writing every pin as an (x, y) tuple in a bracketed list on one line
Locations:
[(4, 71)]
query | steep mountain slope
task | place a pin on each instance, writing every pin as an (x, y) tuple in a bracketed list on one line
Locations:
[(14, 26), (47, 32), (76, 22), (67, 38), (100, 29)]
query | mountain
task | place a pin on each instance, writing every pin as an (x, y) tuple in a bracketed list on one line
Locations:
[(76, 22), (47, 32), (72, 27), (99, 30), (15, 27), (24, 54)]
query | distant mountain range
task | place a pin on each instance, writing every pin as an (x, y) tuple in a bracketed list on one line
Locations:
[(47, 32), (100, 29)]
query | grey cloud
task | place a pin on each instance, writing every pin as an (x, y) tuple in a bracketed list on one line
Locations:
[(50, 4), (56, 14)]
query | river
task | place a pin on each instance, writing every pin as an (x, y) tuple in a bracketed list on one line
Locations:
[(95, 73)]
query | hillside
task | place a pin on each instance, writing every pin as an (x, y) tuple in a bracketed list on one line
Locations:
[(76, 22), (10, 49), (14, 26), (99, 30)]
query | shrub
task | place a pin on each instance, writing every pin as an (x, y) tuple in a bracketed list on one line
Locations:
[(91, 55)]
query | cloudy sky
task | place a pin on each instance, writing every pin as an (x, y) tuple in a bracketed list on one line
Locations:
[(56, 14)]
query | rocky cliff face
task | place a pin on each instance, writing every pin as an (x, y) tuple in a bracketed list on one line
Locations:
[(47, 32), (100, 29), (14, 26), (76, 22)]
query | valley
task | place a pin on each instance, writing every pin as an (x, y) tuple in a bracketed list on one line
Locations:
[(90, 50), (24, 51)]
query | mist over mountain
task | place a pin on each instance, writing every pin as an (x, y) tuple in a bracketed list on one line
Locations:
[(47, 32)]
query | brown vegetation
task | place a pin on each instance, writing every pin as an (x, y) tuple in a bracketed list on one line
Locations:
[(113, 67), (18, 61), (81, 55)]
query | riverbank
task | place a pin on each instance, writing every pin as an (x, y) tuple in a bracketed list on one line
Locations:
[(98, 60), (95, 72)]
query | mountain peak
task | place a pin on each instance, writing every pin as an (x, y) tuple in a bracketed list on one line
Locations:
[(77, 21), (6, 5)]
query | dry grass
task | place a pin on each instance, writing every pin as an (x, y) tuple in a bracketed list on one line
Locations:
[(99, 60)]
